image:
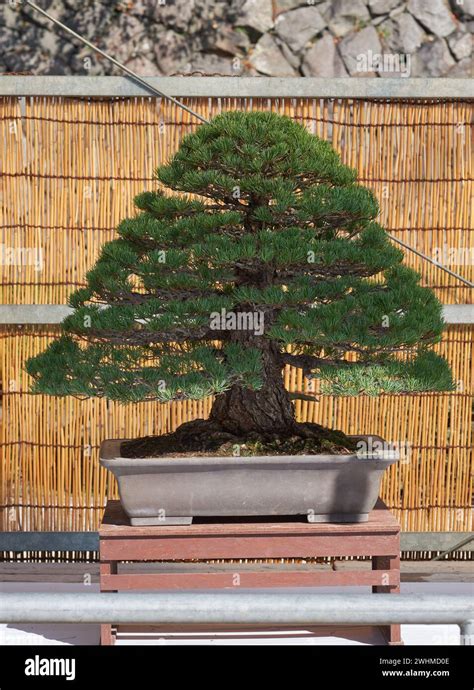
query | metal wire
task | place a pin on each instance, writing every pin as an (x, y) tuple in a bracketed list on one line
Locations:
[(432, 261)]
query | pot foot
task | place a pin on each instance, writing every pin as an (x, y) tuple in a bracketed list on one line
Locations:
[(338, 517), (159, 521)]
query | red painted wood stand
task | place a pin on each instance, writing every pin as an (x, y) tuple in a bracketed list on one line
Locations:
[(255, 538)]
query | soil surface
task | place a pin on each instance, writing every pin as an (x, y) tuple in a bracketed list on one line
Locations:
[(205, 438)]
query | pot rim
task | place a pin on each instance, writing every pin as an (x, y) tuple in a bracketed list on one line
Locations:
[(110, 457)]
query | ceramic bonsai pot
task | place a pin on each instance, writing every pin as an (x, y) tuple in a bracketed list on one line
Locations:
[(173, 490)]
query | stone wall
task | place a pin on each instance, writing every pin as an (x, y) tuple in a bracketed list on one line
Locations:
[(281, 38)]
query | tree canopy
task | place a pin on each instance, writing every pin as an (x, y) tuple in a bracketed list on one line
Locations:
[(263, 242)]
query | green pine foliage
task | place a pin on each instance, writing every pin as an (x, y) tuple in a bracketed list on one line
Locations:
[(266, 220)]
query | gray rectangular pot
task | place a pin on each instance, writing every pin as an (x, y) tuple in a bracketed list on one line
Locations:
[(325, 488)]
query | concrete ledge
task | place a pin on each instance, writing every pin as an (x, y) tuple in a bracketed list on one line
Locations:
[(458, 313), (436, 541), (410, 571), (238, 87), (89, 541), (18, 314), (44, 314), (49, 541)]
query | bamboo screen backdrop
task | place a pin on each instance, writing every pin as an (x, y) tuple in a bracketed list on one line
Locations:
[(70, 169)]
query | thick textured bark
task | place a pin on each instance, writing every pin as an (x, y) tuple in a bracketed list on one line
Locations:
[(268, 410)]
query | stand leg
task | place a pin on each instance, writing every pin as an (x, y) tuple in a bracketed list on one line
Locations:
[(392, 633), (107, 636), (107, 632)]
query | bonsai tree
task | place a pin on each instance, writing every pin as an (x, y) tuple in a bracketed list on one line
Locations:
[(268, 255)]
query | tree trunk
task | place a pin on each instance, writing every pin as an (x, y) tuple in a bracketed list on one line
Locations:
[(241, 415), (241, 411)]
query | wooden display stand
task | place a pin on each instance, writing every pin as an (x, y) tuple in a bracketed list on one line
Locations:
[(252, 538)]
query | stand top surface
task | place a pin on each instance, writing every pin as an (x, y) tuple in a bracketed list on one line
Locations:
[(115, 524)]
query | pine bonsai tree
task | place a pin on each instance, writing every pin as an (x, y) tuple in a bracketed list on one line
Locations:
[(270, 254)]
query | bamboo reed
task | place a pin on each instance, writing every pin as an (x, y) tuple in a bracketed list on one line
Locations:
[(70, 170)]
